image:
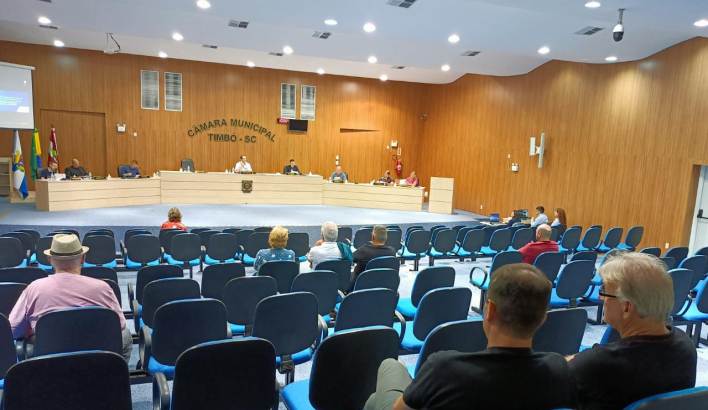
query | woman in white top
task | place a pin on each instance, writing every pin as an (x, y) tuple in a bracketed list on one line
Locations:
[(561, 222)]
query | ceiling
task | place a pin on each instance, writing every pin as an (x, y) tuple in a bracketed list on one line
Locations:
[(508, 33)]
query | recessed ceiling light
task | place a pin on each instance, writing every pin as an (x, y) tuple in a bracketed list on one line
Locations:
[(544, 50), (203, 4), (372, 59), (454, 38), (320, 71), (58, 43), (177, 36), (250, 63), (287, 50), (445, 67), (611, 59), (162, 54), (383, 77), (593, 4), (701, 23), (44, 20), (331, 22), (369, 27)]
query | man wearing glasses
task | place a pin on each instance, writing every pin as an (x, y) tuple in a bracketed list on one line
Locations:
[(651, 357)]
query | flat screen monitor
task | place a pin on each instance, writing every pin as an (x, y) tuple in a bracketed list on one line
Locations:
[(297, 125)]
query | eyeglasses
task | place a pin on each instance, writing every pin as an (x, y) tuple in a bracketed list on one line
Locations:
[(605, 294)]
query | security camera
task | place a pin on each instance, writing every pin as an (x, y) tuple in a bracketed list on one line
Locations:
[(618, 31)]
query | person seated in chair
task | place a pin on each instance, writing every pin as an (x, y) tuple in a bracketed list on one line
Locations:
[(652, 356), (543, 243), (560, 221), (374, 249), (50, 171), (508, 375), (75, 170), (291, 168), (325, 249), (278, 240), (386, 178), (243, 166), (174, 220), (130, 171), (66, 288), (540, 218), (412, 180), (338, 175)]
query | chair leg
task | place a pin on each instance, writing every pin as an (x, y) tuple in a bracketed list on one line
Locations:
[(431, 261), (415, 265), (697, 332), (482, 298)]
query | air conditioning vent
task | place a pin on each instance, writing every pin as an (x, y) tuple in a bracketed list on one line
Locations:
[(470, 53), (398, 67), (46, 1), (49, 27), (588, 31), (401, 3), (213, 47), (238, 24), (324, 35), (275, 53)]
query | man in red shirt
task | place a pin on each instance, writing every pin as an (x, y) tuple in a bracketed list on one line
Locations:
[(543, 243)]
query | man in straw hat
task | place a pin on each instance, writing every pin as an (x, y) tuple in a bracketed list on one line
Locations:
[(66, 288)]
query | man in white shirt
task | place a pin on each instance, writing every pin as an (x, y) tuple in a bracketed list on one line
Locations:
[(540, 218), (325, 249), (243, 165)]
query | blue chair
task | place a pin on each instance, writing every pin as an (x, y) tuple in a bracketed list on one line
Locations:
[(572, 283), (43, 244), (299, 242), (556, 232), (343, 269), (66, 231), (146, 275), (322, 284), (697, 265), (12, 254), (344, 370), (611, 240), (102, 251), (389, 262), (368, 307), (428, 279), (283, 272), (499, 242), (185, 251), (584, 256), (241, 296), (100, 272), (204, 235), (465, 336), (686, 311), (165, 237), (100, 231), (669, 262), (225, 374), (416, 246), (434, 231), (177, 326), (142, 250), (570, 240), (77, 329), (471, 245), (695, 398), (634, 237), (590, 240), (8, 352), (215, 278), (378, 278), (442, 246), (231, 230), (501, 259), (256, 241), (83, 380), (651, 251), (521, 237), (438, 306), (242, 236), (221, 248), (27, 242), (289, 321), (362, 237), (393, 238), (21, 275), (162, 291), (703, 252), (562, 332), (116, 291), (549, 263), (9, 293), (679, 253)]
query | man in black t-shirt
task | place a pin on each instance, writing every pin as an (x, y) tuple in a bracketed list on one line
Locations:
[(75, 170), (377, 247), (650, 358), (508, 375)]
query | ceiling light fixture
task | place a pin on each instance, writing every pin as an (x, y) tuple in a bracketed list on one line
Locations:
[(250, 64), (453, 39), (320, 71), (593, 4), (58, 43), (611, 59), (287, 50), (372, 59), (369, 27), (544, 50), (44, 20), (203, 4), (331, 22), (177, 36), (383, 77), (445, 67), (701, 23), (162, 54)]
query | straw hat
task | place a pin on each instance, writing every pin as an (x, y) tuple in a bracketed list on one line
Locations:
[(66, 247)]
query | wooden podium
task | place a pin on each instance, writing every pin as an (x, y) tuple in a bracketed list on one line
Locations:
[(441, 195)]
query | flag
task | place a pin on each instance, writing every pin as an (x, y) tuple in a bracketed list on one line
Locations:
[(36, 160), (53, 154), (18, 168)]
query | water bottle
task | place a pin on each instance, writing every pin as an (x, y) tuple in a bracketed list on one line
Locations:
[(90, 176)]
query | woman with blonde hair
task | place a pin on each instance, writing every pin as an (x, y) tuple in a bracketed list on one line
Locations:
[(278, 240), (174, 220)]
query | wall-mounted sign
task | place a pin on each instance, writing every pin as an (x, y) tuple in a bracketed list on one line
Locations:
[(214, 130)]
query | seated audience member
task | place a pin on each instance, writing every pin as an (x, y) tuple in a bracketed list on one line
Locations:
[(386, 178), (278, 240), (243, 165), (377, 247), (75, 170), (48, 172), (174, 220), (543, 243), (412, 179), (560, 221), (291, 168), (651, 357), (540, 218), (130, 171), (508, 375), (326, 249), (66, 288), (338, 175)]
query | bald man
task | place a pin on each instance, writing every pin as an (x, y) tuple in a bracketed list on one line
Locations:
[(75, 170), (543, 243)]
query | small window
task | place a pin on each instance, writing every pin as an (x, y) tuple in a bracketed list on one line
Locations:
[(287, 100), (149, 90), (173, 91), (307, 102)]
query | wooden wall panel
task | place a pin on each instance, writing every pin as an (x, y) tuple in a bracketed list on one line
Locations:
[(622, 140)]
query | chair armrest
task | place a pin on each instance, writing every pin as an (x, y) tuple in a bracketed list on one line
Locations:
[(686, 304), (399, 317), (131, 292), (20, 349), (136, 314), (229, 335), (322, 326), (483, 271), (341, 294), (145, 347), (160, 392), (123, 251)]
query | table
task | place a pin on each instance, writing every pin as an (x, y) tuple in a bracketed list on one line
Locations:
[(441, 195), (83, 194), (373, 196)]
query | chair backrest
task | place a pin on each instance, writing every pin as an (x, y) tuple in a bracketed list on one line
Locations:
[(12, 252), (434, 231), (634, 236), (186, 247), (102, 249), (697, 264), (549, 263), (77, 329), (679, 253), (653, 250), (465, 336), (474, 240), (284, 273), (204, 234), (187, 164), (390, 262), (440, 306), (681, 279), (591, 238), (574, 280), (256, 241), (8, 353), (100, 231), (368, 307), (143, 248), (361, 237), (344, 233), (22, 275), (343, 269), (571, 238), (378, 278), (461, 233), (82, 380), (445, 240), (322, 284), (345, 367), (232, 230), (299, 242), (703, 252), (134, 231), (27, 240), (289, 321), (9, 293), (225, 374), (182, 324), (521, 237), (161, 291), (66, 231), (116, 290), (500, 240), (393, 238), (266, 229), (242, 238), (505, 258), (148, 274), (242, 295), (222, 246), (556, 232), (488, 231), (166, 236), (669, 262), (418, 242), (613, 237), (100, 272), (562, 332), (43, 244), (433, 277), (584, 256), (215, 278), (695, 398), (34, 233)]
